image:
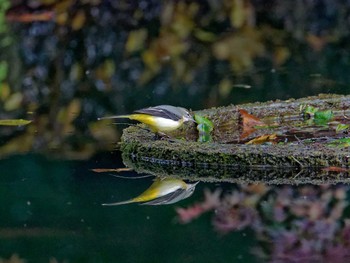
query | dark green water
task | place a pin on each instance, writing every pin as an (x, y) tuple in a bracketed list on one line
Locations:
[(52, 209)]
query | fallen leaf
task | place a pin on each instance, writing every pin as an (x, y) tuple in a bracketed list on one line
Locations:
[(249, 123), (335, 169), (263, 139), (246, 132), (250, 120), (104, 170), (342, 127)]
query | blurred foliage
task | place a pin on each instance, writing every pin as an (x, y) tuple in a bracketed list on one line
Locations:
[(13, 259), (74, 61), (304, 223)]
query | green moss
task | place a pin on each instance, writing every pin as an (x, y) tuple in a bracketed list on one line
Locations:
[(219, 157)]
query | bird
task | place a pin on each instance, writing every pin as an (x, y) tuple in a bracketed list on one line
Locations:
[(160, 119), (162, 191)]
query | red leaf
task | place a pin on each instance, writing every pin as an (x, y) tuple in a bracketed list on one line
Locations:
[(28, 17), (249, 120)]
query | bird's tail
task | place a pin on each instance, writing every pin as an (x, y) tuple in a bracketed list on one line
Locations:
[(115, 117), (120, 203)]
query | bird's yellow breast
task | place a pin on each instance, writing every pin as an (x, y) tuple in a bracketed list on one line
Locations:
[(159, 188), (157, 123)]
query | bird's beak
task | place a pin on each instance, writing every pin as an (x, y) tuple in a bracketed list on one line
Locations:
[(190, 119), (194, 184)]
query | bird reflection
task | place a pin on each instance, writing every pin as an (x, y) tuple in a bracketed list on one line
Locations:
[(163, 191)]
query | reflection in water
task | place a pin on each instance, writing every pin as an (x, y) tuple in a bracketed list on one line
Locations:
[(293, 223), (163, 191)]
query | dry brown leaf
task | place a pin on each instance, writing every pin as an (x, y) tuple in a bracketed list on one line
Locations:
[(249, 123), (335, 169), (249, 120)]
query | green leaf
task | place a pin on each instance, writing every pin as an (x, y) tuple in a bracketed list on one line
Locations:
[(204, 137), (14, 122), (342, 143), (202, 120), (342, 127), (310, 110), (322, 117), (204, 127)]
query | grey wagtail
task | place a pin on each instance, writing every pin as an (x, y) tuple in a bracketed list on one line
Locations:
[(163, 118), (163, 191)]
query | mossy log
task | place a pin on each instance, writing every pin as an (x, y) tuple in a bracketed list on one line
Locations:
[(227, 151)]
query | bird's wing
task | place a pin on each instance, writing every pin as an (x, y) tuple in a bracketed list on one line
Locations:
[(164, 111), (170, 198)]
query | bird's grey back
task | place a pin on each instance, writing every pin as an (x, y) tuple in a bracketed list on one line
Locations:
[(165, 111)]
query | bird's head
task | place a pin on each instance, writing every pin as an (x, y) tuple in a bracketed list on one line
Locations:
[(190, 189), (186, 116)]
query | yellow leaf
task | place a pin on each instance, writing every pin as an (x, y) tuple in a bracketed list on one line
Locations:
[(280, 55), (76, 73), (263, 139), (70, 113), (204, 35), (237, 14), (14, 122), (78, 20), (4, 91), (225, 87), (106, 70), (62, 18), (136, 40), (13, 102), (150, 59)]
